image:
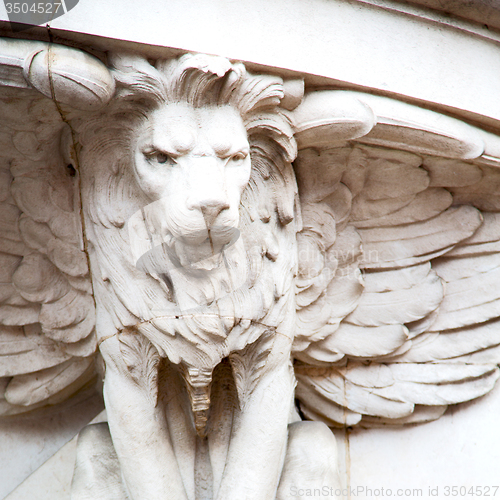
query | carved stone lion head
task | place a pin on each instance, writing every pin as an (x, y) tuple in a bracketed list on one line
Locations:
[(193, 164), (197, 150)]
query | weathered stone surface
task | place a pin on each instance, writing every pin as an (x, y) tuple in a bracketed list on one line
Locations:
[(220, 238)]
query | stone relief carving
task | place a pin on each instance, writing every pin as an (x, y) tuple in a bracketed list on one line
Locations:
[(215, 244)]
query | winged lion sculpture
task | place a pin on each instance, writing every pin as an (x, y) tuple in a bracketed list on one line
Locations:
[(233, 258)]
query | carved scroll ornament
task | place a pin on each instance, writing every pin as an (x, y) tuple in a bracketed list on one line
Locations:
[(227, 245)]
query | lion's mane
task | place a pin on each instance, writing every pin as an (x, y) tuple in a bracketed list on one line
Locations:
[(134, 299)]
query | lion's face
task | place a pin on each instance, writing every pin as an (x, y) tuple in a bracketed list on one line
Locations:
[(193, 164)]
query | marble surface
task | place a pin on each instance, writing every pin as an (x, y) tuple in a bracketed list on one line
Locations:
[(486, 12), (52, 480), (26, 442), (460, 449)]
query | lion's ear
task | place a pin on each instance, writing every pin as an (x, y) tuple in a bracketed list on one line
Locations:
[(293, 90), (258, 92)]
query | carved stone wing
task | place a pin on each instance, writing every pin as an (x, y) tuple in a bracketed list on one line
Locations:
[(397, 297), (47, 311)]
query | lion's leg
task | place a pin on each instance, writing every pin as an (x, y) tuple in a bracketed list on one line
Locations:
[(311, 463), (258, 438), (97, 474), (140, 433)]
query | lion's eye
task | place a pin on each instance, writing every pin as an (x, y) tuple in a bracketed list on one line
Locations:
[(237, 157), (159, 157)]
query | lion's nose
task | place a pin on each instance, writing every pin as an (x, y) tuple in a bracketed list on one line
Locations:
[(211, 210)]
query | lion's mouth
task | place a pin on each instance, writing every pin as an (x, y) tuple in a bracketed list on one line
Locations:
[(195, 251), (204, 249), (216, 238)]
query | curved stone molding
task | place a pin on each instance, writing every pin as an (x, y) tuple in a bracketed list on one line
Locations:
[(484, 12), (67, 75), (327, 117), (382, 46)]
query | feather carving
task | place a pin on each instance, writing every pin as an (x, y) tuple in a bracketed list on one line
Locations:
[(142, 361), (47, 313), (421, 331)]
